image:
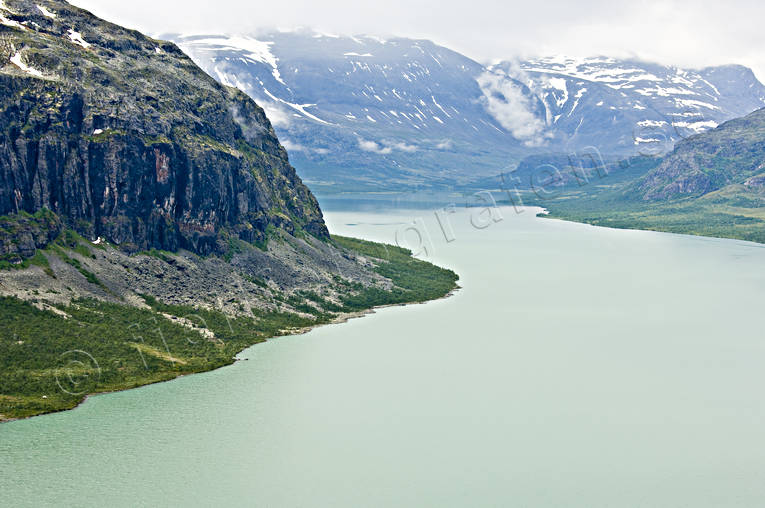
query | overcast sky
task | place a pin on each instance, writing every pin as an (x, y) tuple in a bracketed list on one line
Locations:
[(691, 33)]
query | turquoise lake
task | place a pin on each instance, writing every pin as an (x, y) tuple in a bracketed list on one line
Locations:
[(577, 367)]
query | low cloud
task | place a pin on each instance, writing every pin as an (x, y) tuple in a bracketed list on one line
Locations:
[(276, 114), (404, 147), (371, 146), (446, 144), (385, 147), (291, 146), (250, 129), (506, 102)]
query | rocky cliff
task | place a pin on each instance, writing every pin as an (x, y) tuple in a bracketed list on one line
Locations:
[(121, 138), (124, 137)]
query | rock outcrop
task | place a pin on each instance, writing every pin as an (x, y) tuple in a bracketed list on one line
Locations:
[(124, 137), (23, 234)]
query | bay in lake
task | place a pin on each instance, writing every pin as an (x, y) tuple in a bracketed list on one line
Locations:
[(578, 367)]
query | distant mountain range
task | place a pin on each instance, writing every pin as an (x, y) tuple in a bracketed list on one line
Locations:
[(629, 107), (363, 113)]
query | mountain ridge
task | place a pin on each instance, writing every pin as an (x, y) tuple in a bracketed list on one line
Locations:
[(711, 184), (662, 104), (399, 119), (452, 119)]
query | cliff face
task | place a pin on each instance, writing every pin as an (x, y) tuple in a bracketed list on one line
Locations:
[(125, 138)]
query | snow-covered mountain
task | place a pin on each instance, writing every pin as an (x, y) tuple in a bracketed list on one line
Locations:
[(380, 113), (622, 106), (363, 112)]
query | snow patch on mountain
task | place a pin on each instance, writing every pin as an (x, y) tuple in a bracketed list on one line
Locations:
[(46, 12), (652, 123), (76, 37), (561, 85), (257, 50), (300, 108), (697, 126), (600, 69), (9, 22), (19, 62)]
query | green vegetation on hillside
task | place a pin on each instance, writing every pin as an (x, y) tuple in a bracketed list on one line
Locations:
[(735, 211), (51, 357), (26, 232), (711, 184), (716, 215), (415, 280)]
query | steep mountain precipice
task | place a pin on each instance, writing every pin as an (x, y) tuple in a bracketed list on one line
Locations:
[(125, 138)]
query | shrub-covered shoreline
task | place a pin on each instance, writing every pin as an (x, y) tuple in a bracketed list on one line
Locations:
[(53, 356)]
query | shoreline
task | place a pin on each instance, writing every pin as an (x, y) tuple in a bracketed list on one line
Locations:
[(339, 320), (696, 236), (349, 316)]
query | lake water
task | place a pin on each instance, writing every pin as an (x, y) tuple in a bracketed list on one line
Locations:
[(578, 367)]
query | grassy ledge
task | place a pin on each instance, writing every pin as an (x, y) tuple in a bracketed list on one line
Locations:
[(53, 356)]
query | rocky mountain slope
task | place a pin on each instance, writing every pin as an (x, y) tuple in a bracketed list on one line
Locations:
[(125, 138), (731, 155), (711, 184), (627, 107), (366, 113), (151, 224)]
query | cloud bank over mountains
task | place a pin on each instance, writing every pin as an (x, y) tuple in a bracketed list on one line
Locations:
[(686, 33)]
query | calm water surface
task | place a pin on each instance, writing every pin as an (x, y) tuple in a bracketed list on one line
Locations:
[(578, 367)]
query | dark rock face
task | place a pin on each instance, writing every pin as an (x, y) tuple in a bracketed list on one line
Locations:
[(22, 235), (123, 137)]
